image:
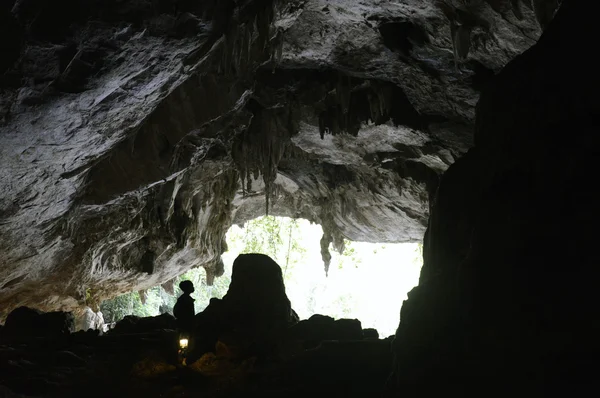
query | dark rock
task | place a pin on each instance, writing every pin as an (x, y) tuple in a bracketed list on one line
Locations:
[(256, 296), (318, 328), (85, 336), (24, 323), (347, 329), (41, 63), (96, 97), (402, 36), (10, 39), (36, 386), (66, 358), (135, 324), (49, 21), (507, 293), (5, 392), (370, 334), (253, 313)]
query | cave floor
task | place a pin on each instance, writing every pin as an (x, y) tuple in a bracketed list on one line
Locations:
[(147, 366)]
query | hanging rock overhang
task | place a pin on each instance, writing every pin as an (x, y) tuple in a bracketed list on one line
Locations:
[(126, 157)]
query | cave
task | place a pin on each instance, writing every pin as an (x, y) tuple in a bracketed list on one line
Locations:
[(134, 133)]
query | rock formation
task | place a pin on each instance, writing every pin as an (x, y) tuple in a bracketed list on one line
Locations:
[(91, 320), (25, 323), (253, 315), (134, 133), (506, 302)]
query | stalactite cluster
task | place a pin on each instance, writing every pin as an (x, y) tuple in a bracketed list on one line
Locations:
[(258, 150), (353, 102), (465, 16), (128, 179)]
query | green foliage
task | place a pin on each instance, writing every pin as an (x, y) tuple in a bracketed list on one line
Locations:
[(342, 306), (418, 253), (126, 304), (276, 237), (350, 255), (158, 300)]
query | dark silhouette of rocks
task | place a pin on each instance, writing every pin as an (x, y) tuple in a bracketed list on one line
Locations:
[(507, 293), (128, 129), (136, 324), (370, 334), (318, 328), (184, 308), (255, 309), (104, 103), (25, 323)]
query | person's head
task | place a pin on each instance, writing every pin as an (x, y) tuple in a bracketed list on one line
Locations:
[(187, 287)]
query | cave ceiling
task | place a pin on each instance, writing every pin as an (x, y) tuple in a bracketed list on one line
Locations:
[(134, 133)]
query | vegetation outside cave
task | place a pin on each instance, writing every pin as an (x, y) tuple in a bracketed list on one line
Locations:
[(367, 281)]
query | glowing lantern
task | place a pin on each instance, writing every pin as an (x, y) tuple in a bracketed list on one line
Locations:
[(183, 343)]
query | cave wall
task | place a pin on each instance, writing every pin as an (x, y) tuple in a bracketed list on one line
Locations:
[(101, 194), (129, 130), (506, 302)]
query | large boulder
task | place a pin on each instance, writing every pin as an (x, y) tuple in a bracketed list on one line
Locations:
[(318, 328), (251, 316), (136, 324), (25, 323)]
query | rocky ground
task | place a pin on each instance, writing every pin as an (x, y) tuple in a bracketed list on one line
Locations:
[(147, 365), (249, 341)]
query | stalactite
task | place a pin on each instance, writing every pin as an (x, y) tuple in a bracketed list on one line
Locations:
[(322, 124), (259, 149), (279, 50), (331, 234), (143, 294), (352, 103), (343, 91), (169, 287), (325, 254)]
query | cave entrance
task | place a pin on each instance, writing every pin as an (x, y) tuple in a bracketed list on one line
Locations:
[(367, 281)]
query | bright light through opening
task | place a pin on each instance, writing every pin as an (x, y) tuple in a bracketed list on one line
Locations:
[(368, 281)]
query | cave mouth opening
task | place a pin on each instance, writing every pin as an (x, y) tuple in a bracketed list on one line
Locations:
[(367, 281)]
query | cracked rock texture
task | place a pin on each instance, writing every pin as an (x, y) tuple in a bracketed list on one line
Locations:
[(134, 133)]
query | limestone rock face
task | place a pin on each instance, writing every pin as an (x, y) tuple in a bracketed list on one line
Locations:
[(91, 320), (134, 133), (507, 291), (136, 324)]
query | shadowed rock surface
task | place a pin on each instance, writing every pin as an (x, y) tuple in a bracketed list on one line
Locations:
[(250, 354), (26, 323), (134, 133), (118, 175), (507, 289), (253, 315), (135, 324)]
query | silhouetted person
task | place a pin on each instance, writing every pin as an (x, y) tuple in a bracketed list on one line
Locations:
[(184, 308)]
